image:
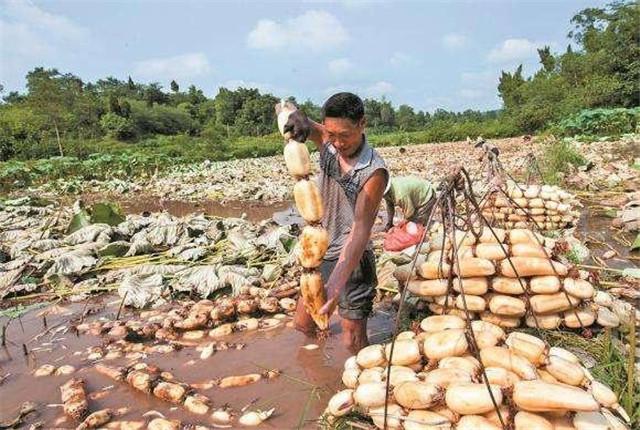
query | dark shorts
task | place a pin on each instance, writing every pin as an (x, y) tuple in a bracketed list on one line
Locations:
[(356, 298)]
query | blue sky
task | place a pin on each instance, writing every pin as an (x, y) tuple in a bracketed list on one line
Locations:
[(428, 54)]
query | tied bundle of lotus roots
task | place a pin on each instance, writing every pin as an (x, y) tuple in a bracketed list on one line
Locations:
[(550, 207), (435, 382), (314, 239), (504, 277)]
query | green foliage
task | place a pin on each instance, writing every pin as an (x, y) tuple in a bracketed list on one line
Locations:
[(103, 213), (599, 122), (17, 174), (137, 128), (557, 159), (447, 130), (604, 71), (116, 126), (79, 220), (19, 310), (106, 213)]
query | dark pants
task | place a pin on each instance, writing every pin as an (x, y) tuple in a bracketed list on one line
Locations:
[(356, 298)]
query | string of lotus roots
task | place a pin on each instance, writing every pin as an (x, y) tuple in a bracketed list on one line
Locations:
[(517, 205), (314, 239), (465, 374)]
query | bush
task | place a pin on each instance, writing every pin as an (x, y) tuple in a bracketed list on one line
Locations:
[(599, 122), (448, 130), (159, 119), (557, 159), (116, 126)]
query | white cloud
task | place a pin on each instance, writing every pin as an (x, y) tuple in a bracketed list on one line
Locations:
[(40, 20), (339, 66), (349, 4), (483, 78), (514, 50), (399, 59), (355, 4), (380, 88), (25, 43), (454, 40), (31, 36), (314, 29), (471, 93), (177, 67)]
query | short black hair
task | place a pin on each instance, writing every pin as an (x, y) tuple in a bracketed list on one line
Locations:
[(343, 105)]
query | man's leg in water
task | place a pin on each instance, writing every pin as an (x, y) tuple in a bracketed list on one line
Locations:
[(354, 334), (356, 302), (302, 320)]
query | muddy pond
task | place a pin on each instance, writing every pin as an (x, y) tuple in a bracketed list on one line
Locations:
[(299, 395)]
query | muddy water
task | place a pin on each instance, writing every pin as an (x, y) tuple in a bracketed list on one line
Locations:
[(299, 395), (596, 225)]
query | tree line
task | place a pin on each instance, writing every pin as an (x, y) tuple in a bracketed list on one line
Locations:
[(599, 68)]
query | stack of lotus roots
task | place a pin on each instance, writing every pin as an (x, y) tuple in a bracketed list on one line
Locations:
[(503, 277), (314, 239), (550, 207), (436, 382)]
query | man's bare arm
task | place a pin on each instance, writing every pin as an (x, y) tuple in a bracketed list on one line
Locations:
[(366, 211), (317, 134)]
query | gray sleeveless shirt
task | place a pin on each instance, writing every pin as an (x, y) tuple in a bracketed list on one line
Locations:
[(340, 192)]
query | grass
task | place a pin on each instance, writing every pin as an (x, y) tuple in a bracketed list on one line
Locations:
[(354, 420), (557, 159)]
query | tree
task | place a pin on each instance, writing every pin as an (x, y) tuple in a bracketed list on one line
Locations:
[(116, 126), (13, 97), (174, 86), (114, 105), (508, 87), (387, 114), (372, 112), (195, 95), (153, 94), (125, 109), (312, 110), (406, 118), (53, 96), (546, 59)]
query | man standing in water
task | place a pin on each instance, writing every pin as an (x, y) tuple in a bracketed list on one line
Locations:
[(352, 181)]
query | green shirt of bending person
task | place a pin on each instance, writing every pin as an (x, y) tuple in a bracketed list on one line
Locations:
[(415, 196)]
